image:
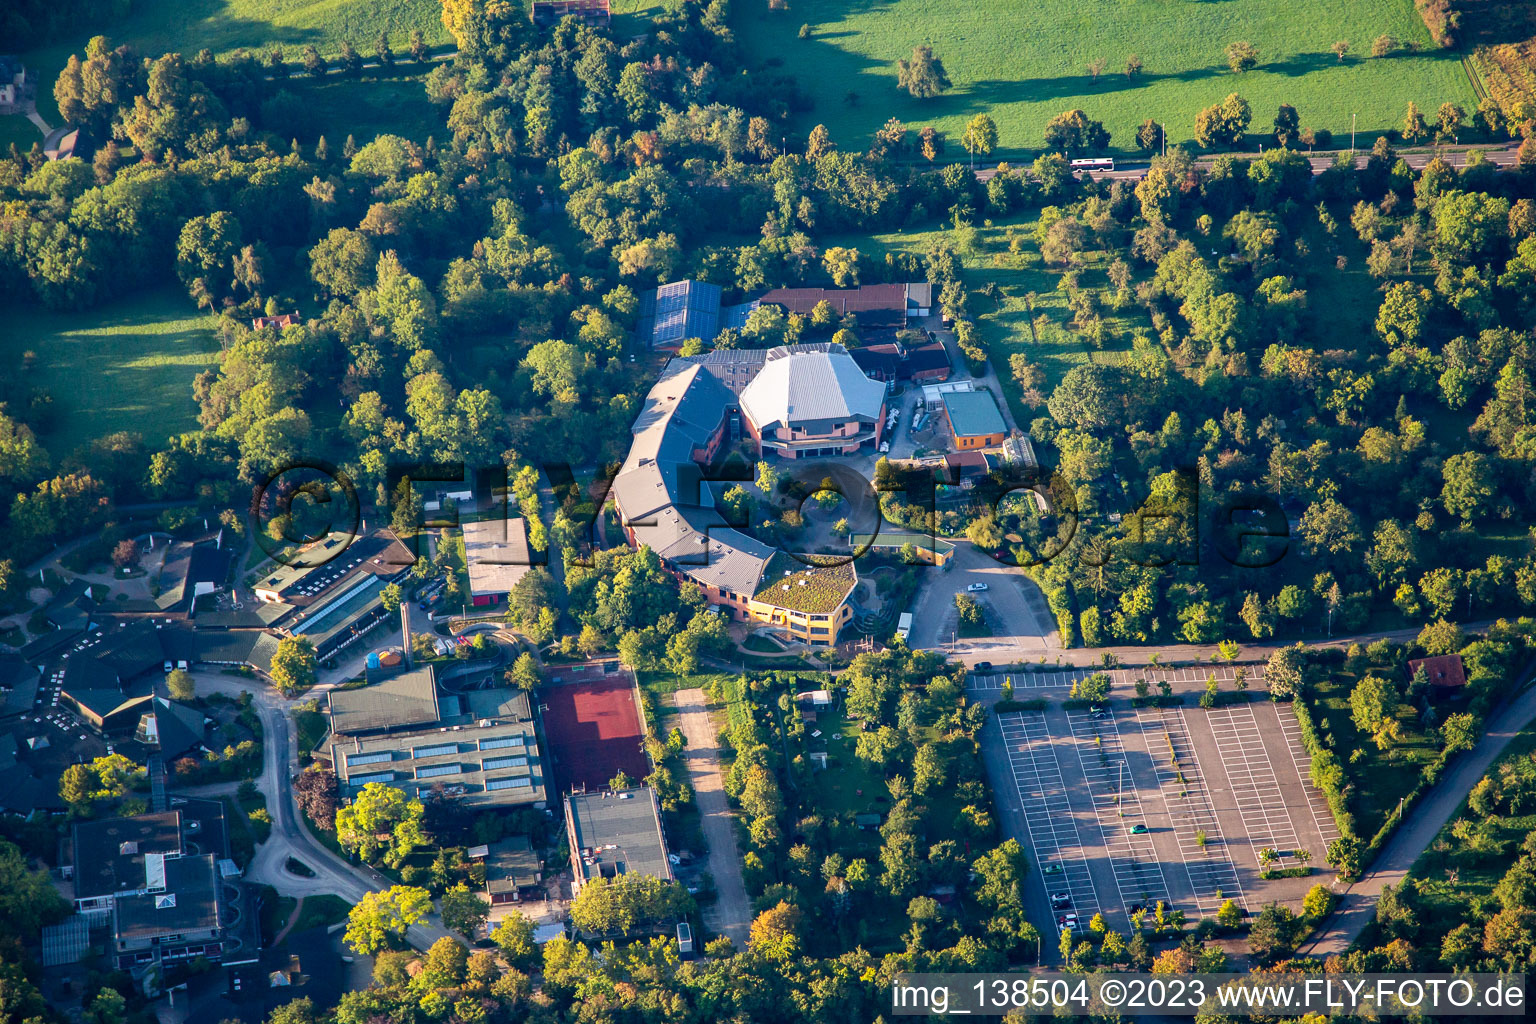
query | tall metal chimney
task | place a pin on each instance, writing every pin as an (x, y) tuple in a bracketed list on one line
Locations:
[(405, 633)]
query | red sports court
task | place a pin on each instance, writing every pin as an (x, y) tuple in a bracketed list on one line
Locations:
[(593, 727)]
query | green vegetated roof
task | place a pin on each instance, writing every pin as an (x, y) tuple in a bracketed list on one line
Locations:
[(813, 589)]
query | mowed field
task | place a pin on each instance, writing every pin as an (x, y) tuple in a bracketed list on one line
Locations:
[(1024, 62), (127, 365)]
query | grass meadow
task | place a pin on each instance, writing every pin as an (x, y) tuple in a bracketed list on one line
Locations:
[(127, 365), (1023, 63)]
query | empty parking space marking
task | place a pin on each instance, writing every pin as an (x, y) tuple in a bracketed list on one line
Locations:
[(1038, 677), (1255, 789), (1138, 875), (1322, 815), (1047, 814), (1212, 875)]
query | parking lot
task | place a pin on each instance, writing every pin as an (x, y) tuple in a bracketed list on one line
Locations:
[(1117, 805), (47, 709), (1056, 847), (1254, 785), (1122, 680), (1322, 817), (1202, 846), (1169, 804)]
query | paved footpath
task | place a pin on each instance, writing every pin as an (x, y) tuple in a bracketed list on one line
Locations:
[(731, 913)]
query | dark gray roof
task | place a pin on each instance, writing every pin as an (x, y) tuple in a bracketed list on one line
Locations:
[(214, 646), (190, 901), (186, 566), (178, 727), (409, 699), (677, 311), (20, 682), (109, 854), (262, 650), (736, 562), (500, 702), (511, 864), (618, 833), (257, 615)]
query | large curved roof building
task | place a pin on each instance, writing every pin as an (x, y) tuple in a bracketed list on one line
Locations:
[(794, 401), (812, 401)]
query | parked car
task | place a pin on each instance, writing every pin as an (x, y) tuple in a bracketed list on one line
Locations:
[(1051, 869), (885, 446), (986, 666), (976, 588), (1138, 830)]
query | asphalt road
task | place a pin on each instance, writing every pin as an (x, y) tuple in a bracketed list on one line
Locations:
[(290, 835), (1500, 154)]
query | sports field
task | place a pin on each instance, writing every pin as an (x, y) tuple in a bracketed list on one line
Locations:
[(126, 365), (593, 728), (1024, 62)]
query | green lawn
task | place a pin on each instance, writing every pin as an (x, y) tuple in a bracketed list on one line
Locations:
[(16, 128), (1380, 778), (225, 26), (1023, 63), (849, 785), (127, 365), (367, 107)]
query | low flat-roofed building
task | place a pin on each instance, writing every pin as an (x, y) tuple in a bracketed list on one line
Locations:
[(497, 555), (513, 870), (974, 419), (332, 562), (593, 12), (403, 701), (925, 547), (481, 747), (616, 833)]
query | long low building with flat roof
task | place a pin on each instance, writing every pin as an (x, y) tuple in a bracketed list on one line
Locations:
[(616, 833), (481, 747), (497, 555)]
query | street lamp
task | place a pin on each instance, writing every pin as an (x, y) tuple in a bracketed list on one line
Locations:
[(1164, 129)]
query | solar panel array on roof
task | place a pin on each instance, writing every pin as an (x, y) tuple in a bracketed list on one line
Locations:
[(498, 742), (435, 750), (359, 760), (496, 784), (492, 763), (363, 780), (435, 771), (684, 309)]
